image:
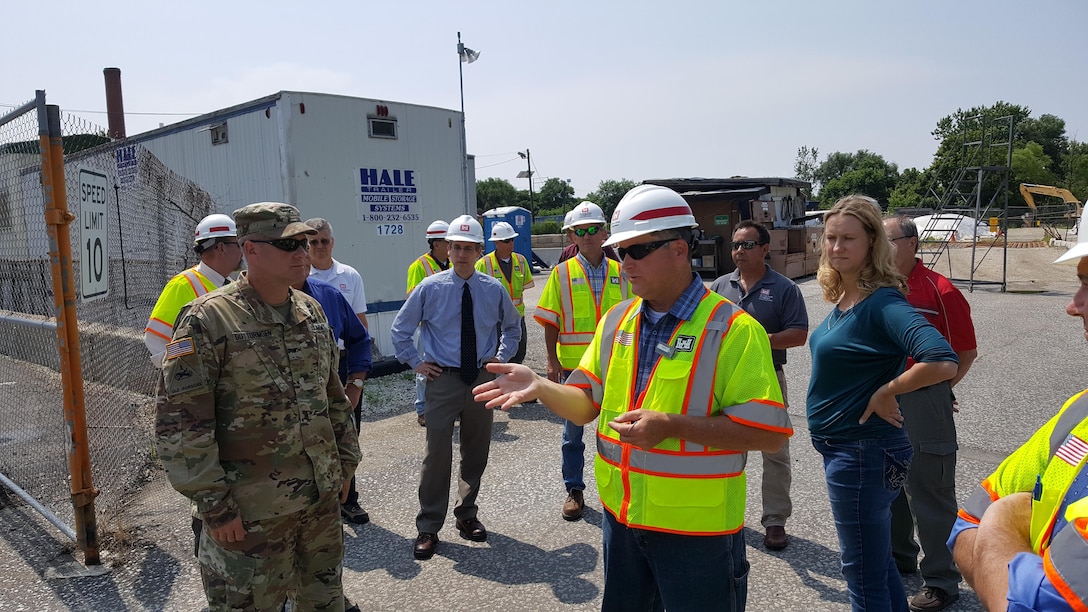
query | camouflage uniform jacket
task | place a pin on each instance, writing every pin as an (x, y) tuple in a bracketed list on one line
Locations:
[(251, 416)]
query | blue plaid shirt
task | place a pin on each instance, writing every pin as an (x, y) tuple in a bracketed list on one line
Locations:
[(596, 275), (649, 334)]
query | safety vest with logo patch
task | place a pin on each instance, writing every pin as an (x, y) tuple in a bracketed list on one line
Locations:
[(718, 364)]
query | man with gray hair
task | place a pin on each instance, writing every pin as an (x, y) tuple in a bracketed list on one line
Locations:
[(928, 497), (340, 275)]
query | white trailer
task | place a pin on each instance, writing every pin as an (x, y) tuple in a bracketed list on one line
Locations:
[(378, 171)]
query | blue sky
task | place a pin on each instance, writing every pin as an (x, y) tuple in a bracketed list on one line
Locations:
[(595, 90)]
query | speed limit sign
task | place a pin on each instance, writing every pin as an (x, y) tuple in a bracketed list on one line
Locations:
[(94, 262)]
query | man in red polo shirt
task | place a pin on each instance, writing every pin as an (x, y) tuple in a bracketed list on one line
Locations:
[(929, 497)]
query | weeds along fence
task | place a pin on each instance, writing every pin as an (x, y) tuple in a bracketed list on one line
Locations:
[(130, 230)]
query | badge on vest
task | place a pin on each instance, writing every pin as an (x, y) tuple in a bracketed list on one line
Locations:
[(615, 280)]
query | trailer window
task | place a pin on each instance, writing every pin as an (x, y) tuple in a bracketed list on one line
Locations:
[(382, 128)]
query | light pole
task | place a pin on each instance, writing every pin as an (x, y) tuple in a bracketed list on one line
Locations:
[(465, 56), (528, 173)]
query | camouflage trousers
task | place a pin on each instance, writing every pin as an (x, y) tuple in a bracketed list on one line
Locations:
[(301, 553)]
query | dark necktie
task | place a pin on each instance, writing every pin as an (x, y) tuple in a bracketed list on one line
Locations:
[(468, 339)]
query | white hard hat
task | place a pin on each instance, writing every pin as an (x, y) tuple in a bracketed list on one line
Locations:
[(1081, 249), (647, 209), (214, 226), (437, 230), (465, 229), (566, 220), (586, 213), (502, 231)]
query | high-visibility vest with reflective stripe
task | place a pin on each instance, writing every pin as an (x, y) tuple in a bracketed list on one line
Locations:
[(568, 303), (1046, 465), (183, 288), (421, 268), (520, 272), (721, 365)]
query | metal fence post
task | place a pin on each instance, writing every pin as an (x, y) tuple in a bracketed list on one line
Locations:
[(57, 219)]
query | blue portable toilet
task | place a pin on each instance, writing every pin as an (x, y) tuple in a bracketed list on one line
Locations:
[(518, 218)]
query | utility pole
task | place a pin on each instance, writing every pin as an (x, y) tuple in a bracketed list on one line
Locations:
[(528, 173)]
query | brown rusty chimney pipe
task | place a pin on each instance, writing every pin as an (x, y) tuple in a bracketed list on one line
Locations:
[(115, 106)]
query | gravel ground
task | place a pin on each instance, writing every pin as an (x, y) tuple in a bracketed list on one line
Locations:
[(534, 560)]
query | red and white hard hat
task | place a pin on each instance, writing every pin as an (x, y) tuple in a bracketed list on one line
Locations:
[(214, 226), (465, 229), (586, 213), (502, 231), (1074, 254), (647, 209), (437, 230)]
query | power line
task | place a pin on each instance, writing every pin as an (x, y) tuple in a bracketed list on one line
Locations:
[(96, 112)]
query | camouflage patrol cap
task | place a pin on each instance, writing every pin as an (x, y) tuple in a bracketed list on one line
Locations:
[(272, 219)]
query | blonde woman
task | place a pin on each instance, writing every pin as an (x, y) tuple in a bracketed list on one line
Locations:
[(859, 353)]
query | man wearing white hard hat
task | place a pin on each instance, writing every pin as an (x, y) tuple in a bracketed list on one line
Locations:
[(572, 249), (1021, 540), (435, 260), (578, 292), (512, 270), (681, 383), (453, 363), (215, 241)]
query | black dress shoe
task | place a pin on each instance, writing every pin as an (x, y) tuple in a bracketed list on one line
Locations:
[(472, 529), (426, 544)]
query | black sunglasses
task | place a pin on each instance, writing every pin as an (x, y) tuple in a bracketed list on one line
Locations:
[(591, 230), (638, 251), (287, 244), (505, 241), (747, 245)]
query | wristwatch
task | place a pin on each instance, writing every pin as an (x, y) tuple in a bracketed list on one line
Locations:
[(357, 382)]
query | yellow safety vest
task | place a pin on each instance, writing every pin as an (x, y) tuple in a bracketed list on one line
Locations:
[(183, 288), (568, 303), (720, 365), (421, 268), (520, 272), (1046, 465)]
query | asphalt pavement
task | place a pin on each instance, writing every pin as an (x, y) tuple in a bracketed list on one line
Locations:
[(533, 559)]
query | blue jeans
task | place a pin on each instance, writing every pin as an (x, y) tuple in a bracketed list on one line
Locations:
[(652, 570), (863, 478), (574, 456)]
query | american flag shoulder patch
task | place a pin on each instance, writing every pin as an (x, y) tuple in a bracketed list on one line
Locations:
[(625, 338), (180, 348), (1073, 450)]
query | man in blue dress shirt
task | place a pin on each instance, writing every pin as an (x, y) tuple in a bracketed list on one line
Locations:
[(490, 326)]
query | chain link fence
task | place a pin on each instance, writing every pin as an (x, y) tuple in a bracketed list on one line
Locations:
[(132, 230)]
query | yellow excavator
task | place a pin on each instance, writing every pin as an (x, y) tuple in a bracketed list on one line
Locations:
[(1071, 207)]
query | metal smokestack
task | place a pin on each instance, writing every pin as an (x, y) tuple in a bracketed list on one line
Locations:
[(115, 106)]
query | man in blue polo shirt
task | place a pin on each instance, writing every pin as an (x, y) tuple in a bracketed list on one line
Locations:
[(776, 302)]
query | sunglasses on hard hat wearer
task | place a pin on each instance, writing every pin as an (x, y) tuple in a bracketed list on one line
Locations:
[(747, 245), (287, 244), (505, 241), (638, 251), (582, 231)]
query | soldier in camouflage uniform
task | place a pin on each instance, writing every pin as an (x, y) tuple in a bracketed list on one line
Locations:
[(254, 427)]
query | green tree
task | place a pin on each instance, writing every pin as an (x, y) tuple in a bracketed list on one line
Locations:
[(1075, 169), (555, 194), (496, 192), (1031, 165), (910, 191), (609, 193), (863, 172), (1048, 131), (804, 168), (955, 133)]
